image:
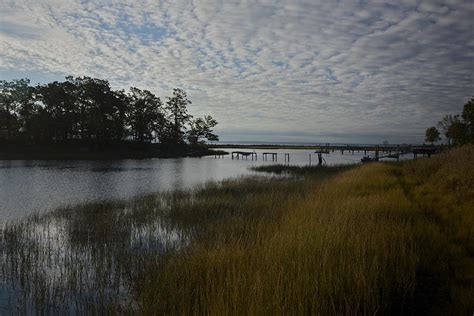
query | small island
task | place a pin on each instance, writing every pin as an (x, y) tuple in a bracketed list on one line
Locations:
[(84, 118)]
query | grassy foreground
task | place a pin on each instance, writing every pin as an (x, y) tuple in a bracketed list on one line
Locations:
[(372, 239), (378, 239)]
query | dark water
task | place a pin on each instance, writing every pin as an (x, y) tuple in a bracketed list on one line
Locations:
[(30, 186)]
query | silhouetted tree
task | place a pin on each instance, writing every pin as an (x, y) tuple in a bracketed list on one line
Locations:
[(201, 129), (457, 132), (178, 115), (58, 117), (82, 105), (88, 110), (446, 123), (15, 100), (144, 114), (120, 102), (98, 100), (468, 118), (432, 135)]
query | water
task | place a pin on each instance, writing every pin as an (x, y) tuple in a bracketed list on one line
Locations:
[(39, 186)]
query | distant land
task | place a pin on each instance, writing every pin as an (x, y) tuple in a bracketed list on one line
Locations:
[(216, 144)]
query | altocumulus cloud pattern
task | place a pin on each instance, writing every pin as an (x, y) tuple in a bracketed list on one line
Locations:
[(313, 71)]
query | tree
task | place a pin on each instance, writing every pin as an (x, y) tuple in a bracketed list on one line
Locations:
[(89, 110), (120, 103), (82, 104), (59, 115), (446, 123), (201, 129), (144, 114), (455, 129), (457, 132), (178, 115), (432, 135), (98, 100), (468, 118), (15, 96)]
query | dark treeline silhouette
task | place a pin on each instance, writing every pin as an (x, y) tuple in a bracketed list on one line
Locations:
[(87, 110), (458, 129)]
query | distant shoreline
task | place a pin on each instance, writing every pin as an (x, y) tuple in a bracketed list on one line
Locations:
[(319, 146), (264, 146)]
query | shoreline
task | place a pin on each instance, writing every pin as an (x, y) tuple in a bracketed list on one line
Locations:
[(102, 152)]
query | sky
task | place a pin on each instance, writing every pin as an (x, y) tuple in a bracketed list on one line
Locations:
[(269, 71)]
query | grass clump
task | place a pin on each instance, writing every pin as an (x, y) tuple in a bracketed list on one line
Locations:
[(306, 170)]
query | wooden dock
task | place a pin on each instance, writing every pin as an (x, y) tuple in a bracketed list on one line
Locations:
[(245, 154), (274, 156), (242, 154), (371, 152), (376, 152), (362, 148), (428, 151)]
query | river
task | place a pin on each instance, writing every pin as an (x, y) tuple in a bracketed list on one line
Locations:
[(28, 186)]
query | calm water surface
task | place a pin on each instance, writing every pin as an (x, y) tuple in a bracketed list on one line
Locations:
[(38, 186)]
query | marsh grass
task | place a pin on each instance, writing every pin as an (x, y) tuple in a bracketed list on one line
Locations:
[(86, 258), (376, 239), (372, 239), (306, 170)]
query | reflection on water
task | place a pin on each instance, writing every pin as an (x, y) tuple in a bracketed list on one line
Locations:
[(85, 259), (29, 186)]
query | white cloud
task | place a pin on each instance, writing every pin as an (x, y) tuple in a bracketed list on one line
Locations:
[(346, 70)]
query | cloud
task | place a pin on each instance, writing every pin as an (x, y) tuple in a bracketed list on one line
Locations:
[(312, 70)]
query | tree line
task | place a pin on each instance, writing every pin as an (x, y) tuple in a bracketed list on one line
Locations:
[(88, 110), (458, 129)]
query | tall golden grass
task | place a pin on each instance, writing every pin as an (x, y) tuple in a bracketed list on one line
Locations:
[(377, 239)]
